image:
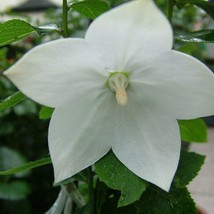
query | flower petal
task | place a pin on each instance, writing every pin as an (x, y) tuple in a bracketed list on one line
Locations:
[(49, 73), (148, 143), (124, 32), (176, 83), (79, 132)]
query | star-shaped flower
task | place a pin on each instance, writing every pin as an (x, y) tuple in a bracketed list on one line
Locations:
[(126, 52)]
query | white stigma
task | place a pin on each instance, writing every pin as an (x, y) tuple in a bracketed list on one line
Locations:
[(118, 82)]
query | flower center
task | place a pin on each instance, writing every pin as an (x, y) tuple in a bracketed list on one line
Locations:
[(118, 82)]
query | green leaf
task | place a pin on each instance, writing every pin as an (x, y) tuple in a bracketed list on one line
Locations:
[(178, 200), (188, 168), (193, 130), (15, 190), (116, 176), (90, 9), (206, 6), (45, 112), (203, 36), (188, 48), (27, 166), (12, 100), (157, 201), (14, 30)]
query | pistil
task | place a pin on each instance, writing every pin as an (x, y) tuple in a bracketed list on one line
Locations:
[(118, 82)]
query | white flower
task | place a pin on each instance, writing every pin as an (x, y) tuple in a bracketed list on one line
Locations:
[(127, 52)]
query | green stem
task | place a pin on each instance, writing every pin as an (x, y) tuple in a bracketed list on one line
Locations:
[(75, 195), (101, 195), (170, 9), (90, 191), (65, 19)]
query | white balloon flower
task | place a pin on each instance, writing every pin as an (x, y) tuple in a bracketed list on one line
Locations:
[(120, 88)]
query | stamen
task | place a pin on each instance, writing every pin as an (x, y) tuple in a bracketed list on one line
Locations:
[(121, 96), (118, 82)]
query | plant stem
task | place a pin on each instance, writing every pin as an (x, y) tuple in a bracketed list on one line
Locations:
[(170, 9), (65, 18), (75, 195), (101, 195), (90, 191)]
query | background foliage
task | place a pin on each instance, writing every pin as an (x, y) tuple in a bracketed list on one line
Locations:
[(24, 124)]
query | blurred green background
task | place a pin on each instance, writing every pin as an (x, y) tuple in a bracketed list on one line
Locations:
[(23, 136)]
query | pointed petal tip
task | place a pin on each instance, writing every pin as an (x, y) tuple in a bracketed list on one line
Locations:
[(152, 152), (131, 29), (46, 77), (165, 185)]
